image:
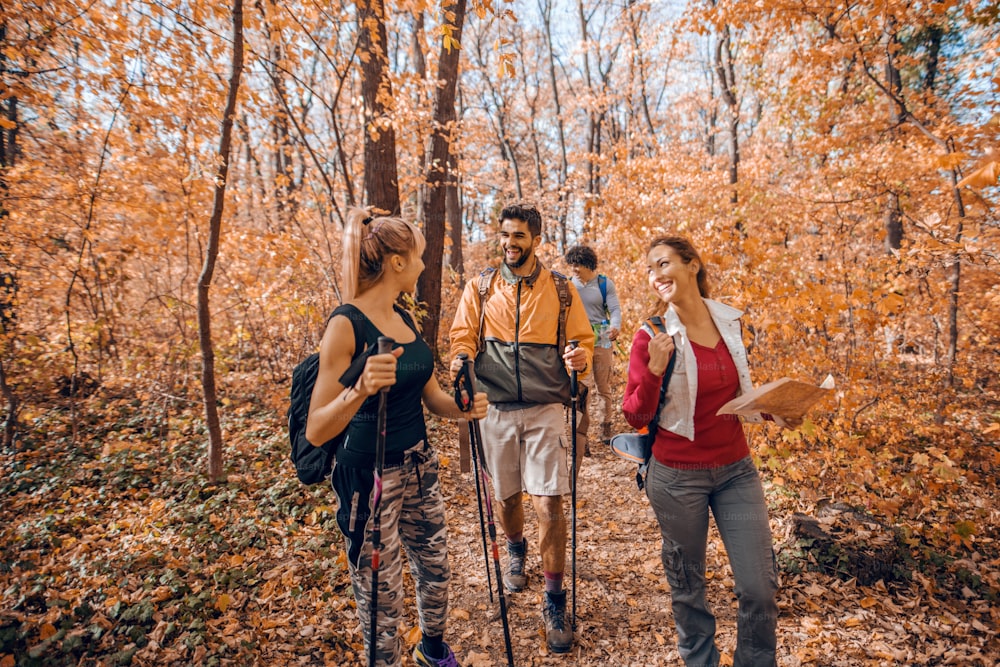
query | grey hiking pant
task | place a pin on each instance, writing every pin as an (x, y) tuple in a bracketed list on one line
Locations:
[(681, 499), (413, 516)]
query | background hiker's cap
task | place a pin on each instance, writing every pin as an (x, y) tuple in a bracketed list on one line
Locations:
[(630, 446)]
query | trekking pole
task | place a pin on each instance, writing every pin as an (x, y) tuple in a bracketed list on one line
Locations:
[(463, 397), (384, 346), (574, 395), (477, 453)]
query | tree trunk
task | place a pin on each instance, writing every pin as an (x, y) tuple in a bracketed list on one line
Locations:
[(536, 144), (456, 258), (284, 175), (420, 69), (10, 423), (893, 214), (954, 282), (934, 38), (592, 123), (726, 73), (8, 158), (440, 176), (8, 136), (381, 180), (212, 253), (545, 9), (8, 278), (283, 169), (634, 23)]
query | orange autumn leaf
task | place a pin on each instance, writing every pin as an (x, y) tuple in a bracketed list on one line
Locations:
[(223, 601), (412, 636), (985, 176), (949, 160)]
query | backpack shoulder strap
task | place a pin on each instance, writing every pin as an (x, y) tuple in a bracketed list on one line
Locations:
[(655, 324), (602, 282), (565, 300), (486, 278)]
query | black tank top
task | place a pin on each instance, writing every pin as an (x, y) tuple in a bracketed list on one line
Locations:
[(405, 426)]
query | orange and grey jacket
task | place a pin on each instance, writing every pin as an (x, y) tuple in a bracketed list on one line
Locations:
[(520, 362)]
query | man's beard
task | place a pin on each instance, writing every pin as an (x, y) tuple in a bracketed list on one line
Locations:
[(519, 262)]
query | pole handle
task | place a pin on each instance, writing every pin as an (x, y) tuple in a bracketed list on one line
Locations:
[(385, 344), (573, 344)]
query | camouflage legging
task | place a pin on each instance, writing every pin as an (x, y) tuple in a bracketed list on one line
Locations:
[(413, 515)]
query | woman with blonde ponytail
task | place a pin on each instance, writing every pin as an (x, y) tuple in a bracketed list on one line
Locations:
[(382, 259)]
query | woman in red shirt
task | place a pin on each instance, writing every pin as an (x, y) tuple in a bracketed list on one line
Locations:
[(701, 461)]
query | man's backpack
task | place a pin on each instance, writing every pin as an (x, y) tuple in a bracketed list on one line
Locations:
[(602, 282), (638, 447), (486, 279), (313, 464)]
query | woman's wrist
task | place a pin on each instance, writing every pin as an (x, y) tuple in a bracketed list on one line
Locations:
[(653, 369), (354, 392)]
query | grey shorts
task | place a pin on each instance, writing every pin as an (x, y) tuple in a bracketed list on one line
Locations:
[(527, 450)]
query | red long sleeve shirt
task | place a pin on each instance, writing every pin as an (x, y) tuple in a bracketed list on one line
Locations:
[(718, 440)]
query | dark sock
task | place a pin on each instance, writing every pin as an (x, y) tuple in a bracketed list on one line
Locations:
[(515, 544), (557, 597), (432, 646), (553, 582)]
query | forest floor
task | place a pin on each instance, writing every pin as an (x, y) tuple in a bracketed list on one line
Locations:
[(114, 550)]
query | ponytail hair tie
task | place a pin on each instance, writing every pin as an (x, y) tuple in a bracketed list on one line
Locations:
[(367, 221), (372, 229)]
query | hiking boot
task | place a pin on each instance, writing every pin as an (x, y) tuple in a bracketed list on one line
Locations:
[(558, 634), (422, 660), (514, 579)]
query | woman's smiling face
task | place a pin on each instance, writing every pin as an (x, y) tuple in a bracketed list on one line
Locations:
[(669, 276)]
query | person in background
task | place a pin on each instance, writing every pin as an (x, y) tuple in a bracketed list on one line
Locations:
[(382, 259), (513, 332), (600, 297), (701, 462)]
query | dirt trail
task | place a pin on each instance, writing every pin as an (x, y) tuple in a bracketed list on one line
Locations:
[(623, 600)]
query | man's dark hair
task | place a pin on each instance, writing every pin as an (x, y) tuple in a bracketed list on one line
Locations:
[(581, 255), (527, 213)]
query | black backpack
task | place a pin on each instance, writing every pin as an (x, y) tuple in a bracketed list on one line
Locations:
[(313, 464)]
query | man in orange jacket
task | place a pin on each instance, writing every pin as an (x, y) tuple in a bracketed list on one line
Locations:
[(516, 329)]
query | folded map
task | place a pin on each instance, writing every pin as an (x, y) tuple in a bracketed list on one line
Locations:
[(786, 398)]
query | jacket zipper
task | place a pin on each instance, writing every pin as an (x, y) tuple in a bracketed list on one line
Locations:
[(517, 339)]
